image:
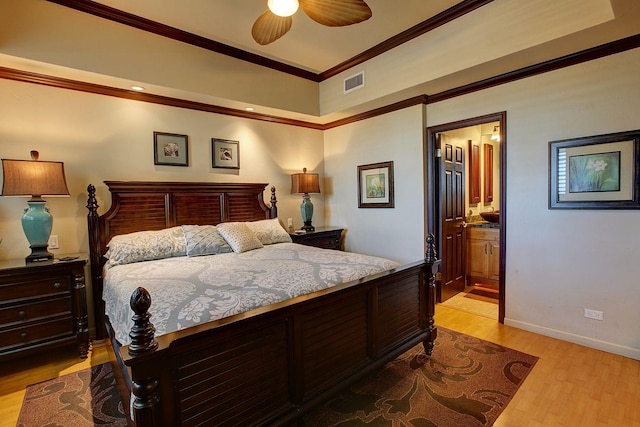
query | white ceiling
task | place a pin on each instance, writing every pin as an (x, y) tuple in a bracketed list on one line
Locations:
[(307, 45)]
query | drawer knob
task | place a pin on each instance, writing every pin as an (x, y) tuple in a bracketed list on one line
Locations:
[(22, 314), (23, 336), (57, 285)]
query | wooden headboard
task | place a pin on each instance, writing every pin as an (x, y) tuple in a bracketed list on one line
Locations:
[(139, 206)]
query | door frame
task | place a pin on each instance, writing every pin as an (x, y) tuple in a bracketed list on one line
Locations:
[(433, 200)]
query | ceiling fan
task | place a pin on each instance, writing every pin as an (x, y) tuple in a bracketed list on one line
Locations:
[(277, 20)]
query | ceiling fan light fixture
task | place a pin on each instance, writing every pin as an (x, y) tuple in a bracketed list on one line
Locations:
[(283, 7)]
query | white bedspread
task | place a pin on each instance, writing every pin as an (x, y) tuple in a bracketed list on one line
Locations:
[(187, 291)]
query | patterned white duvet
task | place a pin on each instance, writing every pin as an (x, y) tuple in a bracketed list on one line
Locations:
[(186, 291)]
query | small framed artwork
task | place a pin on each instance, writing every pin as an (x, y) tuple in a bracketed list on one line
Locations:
[(595, 172), (375, 185), (170, 149), (225, 153)]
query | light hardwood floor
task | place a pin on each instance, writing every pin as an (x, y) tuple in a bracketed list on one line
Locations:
[(570, 385), (16, 375)]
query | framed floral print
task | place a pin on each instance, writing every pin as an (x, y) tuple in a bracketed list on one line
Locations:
[(595, 172), (375, 185)]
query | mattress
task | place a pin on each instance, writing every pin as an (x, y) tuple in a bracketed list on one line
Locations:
[(187, 291)]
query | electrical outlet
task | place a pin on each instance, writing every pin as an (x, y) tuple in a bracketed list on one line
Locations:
[(53, 242), (289, 222), (593, 314)]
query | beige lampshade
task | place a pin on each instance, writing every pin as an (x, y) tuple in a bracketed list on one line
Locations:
[(305, 182), (33, 178)]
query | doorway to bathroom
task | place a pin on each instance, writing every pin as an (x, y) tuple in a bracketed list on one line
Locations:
[(466, 196)]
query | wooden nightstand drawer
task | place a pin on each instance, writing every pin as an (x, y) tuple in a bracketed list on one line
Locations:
[(322, 237), (36, 333), (34, 311), (43, 305), (28, 287)]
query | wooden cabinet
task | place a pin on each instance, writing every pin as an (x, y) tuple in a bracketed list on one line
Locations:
[(474, 169), (483, 256), (322, 237), (42, 305), (488, 173)]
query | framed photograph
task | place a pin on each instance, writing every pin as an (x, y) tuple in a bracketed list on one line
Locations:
[(375, 185), (170, 149), (225, 153), (595, 172)]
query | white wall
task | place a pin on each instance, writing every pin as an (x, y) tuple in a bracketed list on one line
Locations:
[(104, 138), (396, 233), (562, 261)]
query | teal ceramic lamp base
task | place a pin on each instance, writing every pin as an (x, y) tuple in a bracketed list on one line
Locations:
[(306, 209), (37, 223)]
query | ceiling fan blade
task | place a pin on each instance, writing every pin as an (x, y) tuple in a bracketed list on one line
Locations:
[(269, 27), (336, 13)]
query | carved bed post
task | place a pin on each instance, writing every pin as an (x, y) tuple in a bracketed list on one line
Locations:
[(95, 258), (144, 390), (433, 263), (273, 211)]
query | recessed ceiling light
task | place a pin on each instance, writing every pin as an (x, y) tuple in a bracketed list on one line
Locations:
[(249, 109), (138, 88)]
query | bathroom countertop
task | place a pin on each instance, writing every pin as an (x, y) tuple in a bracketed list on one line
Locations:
[(483, 224)]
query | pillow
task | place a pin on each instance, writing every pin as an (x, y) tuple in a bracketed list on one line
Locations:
[(269, 231), (146, 245), (239, 236), (204, 240)]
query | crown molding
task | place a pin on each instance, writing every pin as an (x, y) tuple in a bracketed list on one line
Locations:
[(430, 24), (102, 11), (618, 46), (586, 55), (116, 15), (63, 83)]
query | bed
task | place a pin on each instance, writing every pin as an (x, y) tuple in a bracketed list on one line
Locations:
[(264, 366)]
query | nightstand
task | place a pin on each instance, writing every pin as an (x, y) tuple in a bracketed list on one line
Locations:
[(42, 305), (322, 237)]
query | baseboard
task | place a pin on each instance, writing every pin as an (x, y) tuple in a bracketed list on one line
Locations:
[(633, 353)]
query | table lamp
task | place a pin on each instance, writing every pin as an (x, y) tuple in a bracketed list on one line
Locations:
[(35, 178), (305, 183)]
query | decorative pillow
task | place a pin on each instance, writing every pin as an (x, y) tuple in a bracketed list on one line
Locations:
[(204, 240), (146, 245), (239, 236), (269, 231)]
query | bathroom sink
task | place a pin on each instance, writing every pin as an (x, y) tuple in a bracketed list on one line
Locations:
[(490, 216)]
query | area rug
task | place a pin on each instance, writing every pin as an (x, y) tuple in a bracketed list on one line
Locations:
[(84, 398), (466, 382)]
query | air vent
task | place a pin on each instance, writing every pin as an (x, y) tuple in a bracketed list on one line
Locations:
[(354, 82)]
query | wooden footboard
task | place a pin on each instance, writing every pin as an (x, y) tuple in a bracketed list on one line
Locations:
[(269, 366)]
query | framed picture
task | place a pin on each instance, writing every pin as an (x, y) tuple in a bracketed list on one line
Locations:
[(595, 172), (225, 153), (170, 149), (375, 185)]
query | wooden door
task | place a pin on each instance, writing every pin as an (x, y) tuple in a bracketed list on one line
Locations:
[(452, 194)]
